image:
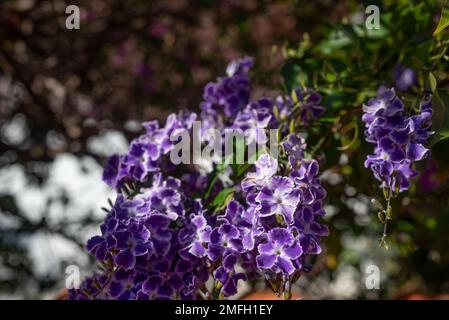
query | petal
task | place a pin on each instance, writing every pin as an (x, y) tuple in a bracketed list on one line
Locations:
[(386, 144), (248, 241), (283, 184), (286, 265), (280, 236), (265, 195), (229, 261), (125, 259), (293, 252), (230, 287), (165, 291), (122, 239), (183, 266), (93, 242), (229, 231), (115, 289), (397, 154), (197, 249), (307, 215), (266, 248), (288, 212), (267, 209), (214, 251), (386, 168), (416, 151), (101, 251), (159, 221), (175, 281), (199, 222), (399, 136), (291, 199), (265, 261), (140, 249), (152, 283), (163, 265)]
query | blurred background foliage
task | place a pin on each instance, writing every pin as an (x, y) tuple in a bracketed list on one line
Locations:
[(69, 98)]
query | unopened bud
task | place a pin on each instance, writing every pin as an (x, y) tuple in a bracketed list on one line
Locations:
[(376, 204)]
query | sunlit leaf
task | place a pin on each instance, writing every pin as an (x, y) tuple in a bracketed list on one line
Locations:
[(222, 199), (444, 20)]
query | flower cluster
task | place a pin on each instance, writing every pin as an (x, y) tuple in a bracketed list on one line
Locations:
[(148, 153), (399, 138), (271, 229), (289, 206), (227, 96), (142, 250), (160, 241)]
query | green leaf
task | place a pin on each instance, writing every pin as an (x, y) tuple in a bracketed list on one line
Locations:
[(240, 169), (432, 82), (444, 20), (222, 199), (291, 75), (440, 119), (295, 96), (210, 186), (352, 126)]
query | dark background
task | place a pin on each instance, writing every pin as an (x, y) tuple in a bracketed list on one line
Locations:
[(69, 98)]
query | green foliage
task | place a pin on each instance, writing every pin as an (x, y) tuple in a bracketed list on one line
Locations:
[(444, 20), (222, 199), (347, 63)]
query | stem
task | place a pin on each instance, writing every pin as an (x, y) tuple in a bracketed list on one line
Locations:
[(388, 217), (288, 290)]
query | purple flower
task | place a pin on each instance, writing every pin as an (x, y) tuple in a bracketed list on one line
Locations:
[(147, 154), (399, 138), (310, 229), (279, 252), (227, 96), (224, 239), (266, 167), (132, 243), (246, 221), (294, 146), (228, 280), (112, 173), (159, 242), (404, 77), (162, 286), (309, 108), (240, 66), (278, 196), (252, 124), (123, 285), (165, 198), (202, 236)]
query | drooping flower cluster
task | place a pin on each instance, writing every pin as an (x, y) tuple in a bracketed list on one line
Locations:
[(399, 138), (289, 207), (160, 241), (148, 153)]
